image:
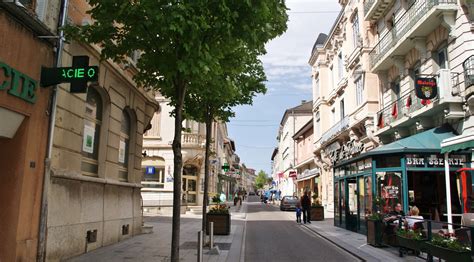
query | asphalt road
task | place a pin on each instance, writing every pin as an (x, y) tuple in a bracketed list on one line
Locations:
[(274, 235)]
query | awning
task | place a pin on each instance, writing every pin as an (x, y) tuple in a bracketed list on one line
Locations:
[(425, 142), (157, 161), (456, 143)]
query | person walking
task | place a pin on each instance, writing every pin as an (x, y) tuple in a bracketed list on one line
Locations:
[(298, 211), (306, 207)]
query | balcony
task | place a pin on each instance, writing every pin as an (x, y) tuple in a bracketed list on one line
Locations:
[(417, 22), (192, 140), (374, 9), (335, 130), (410, 110)]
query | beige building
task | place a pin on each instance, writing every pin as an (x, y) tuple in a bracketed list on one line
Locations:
[(94, 189), (345, 95)]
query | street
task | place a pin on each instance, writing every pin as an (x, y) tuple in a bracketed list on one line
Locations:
[(274, 235)]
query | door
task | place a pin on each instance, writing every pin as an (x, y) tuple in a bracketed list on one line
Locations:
[(351, 205), (189, 188)]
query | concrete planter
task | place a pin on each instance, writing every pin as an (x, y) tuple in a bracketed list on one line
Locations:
[(317, 213), (448, 254), (221, 223), (374, 232)]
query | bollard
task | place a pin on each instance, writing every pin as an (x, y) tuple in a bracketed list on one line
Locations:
[(211, 235), (199, 247)]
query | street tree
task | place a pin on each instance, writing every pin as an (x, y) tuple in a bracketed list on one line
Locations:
[(181, 43), (239, 79), (261, 179)]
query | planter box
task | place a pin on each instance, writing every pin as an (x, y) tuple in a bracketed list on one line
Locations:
[(448, 254), (374, 232), (417, 245), (221, 223), (317, 213)]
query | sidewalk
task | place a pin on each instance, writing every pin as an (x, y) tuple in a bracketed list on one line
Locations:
[(356, 243), (157, 245)]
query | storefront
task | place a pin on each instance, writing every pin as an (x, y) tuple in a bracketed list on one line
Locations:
[(409, 171), (308, 181)]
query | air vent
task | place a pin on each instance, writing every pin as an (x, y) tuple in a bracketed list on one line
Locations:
[(91, 236), (125, 229)]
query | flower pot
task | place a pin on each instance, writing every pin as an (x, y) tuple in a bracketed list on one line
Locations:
[(448, 254), (221, 223), (317, 213), (374, 232), (410, 243)]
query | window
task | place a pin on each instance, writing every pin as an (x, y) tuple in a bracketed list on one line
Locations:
[(91, 135), (414, 72), (395, 86), (359, 91), (355, 30), (317, 125), (442, 58), (332, 78), (124, 144), (154, 177), (343, 113), (316, 88), (340, 64), (333, 114)]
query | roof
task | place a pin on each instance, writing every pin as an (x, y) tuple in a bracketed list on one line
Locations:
[(425, 142), (303, 108), (319, 42), (304, 129)]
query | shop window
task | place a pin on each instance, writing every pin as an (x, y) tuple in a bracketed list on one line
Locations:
[(153, 178), (91, 135), (389, 188), (124, 144)]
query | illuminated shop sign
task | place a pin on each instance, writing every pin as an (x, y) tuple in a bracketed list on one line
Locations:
[(17, 84), (426, 88)]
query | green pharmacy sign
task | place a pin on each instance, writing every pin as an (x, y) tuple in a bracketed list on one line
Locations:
[(17, 84), (78, 75)]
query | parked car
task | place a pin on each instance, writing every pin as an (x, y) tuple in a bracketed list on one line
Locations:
[(251, 193), (288, 203)]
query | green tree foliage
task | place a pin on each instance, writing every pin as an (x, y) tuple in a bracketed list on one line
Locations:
[(182, 46), (261, 180)]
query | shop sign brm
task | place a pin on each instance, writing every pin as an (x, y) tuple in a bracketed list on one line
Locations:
[(349, 149), (426, 87), (17, 84)]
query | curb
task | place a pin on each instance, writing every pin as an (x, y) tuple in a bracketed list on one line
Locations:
[(334, 243)]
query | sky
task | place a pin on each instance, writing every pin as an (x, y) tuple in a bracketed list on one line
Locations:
[(254, 128)]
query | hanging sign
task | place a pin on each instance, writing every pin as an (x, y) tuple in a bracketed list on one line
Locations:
[(426, 87), (349, 149), (150, 170), (390, 192)]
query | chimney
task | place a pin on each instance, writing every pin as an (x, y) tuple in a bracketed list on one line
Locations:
[(303, 101)]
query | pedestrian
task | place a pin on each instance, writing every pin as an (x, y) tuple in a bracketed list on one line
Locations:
[(298, 212), (306, 207)]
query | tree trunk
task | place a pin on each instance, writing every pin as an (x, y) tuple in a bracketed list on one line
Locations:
[(205, 200), (178, 164)]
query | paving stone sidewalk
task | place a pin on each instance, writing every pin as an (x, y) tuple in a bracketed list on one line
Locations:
[(157, 245)]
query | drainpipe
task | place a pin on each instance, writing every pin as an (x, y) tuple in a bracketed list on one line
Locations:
[(41, 253)]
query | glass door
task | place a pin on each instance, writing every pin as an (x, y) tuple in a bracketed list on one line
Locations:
[(189, 189), (351, 205), (365, 202)]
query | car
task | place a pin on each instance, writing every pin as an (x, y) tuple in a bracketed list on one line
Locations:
[(251, 193), (288, 203)]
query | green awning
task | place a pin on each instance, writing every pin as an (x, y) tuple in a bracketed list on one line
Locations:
[(425, 142), (456, 143)]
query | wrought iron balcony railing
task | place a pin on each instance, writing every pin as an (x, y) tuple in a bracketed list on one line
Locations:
[(403, 24), (335, 130)]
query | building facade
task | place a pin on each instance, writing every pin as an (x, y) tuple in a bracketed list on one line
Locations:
[(283, 157), (24, 108), (95, 179), (345, 96)]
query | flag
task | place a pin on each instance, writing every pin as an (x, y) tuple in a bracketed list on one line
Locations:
[(380, 122), (408, 104), (394, 110)]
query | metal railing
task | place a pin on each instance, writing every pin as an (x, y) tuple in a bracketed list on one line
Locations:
[(335, 130), (403, 24)]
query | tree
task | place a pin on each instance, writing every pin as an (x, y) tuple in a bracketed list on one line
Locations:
[(241, 77), (181, 43), (261, 179)]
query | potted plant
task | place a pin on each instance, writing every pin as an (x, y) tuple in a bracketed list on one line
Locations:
[(449, 248), (219, 214), (375, 224), (410, 239), (317, 210)]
